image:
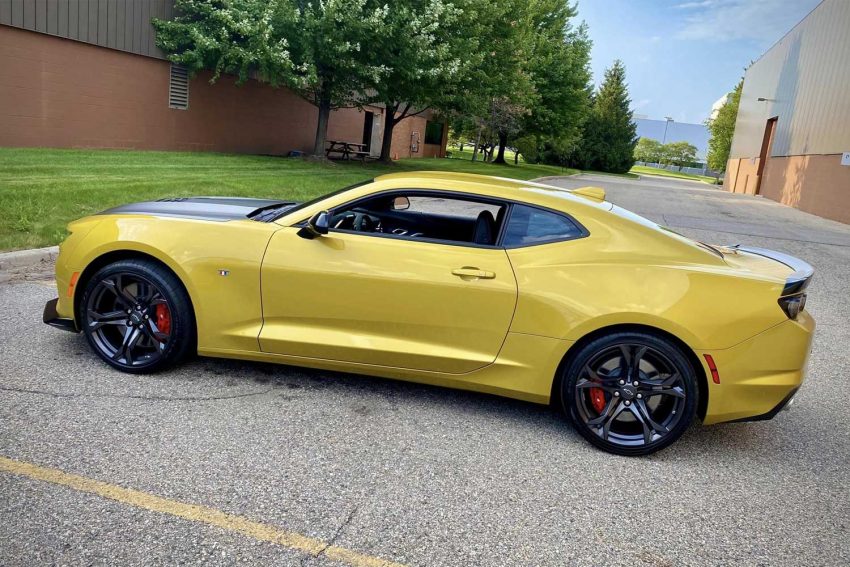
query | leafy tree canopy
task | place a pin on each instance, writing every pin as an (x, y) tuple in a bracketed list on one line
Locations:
[(314, 47), (722, 129)]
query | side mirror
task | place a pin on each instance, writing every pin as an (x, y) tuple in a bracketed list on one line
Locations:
[(401, 203), (316, 226)]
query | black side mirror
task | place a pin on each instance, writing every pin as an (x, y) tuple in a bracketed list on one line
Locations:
[(316, 226)]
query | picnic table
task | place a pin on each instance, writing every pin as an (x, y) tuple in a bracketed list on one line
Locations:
[(347, 150)]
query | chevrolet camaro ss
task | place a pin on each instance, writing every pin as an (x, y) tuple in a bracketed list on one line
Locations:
[(494, 285)]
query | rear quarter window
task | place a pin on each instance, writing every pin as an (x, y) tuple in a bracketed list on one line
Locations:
[(529, 225)]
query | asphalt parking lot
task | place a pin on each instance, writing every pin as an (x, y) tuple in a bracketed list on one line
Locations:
[(366, 470)]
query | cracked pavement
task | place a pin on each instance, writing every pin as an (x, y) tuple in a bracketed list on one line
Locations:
[(422, 475)]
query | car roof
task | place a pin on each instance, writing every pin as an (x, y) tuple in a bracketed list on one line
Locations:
[(490, 186)]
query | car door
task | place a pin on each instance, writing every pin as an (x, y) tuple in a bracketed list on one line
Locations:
[(385, 300)]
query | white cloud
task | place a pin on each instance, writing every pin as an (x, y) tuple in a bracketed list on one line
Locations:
[(642, 103), (687, 5), (765, 21)]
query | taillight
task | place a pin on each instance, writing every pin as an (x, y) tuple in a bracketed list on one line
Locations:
[(793, 304)]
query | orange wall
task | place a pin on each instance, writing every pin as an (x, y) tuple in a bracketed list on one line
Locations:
[(61, 93), (742, 175), (817, 184)]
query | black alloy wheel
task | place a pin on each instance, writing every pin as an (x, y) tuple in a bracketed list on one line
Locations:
[(136, 316), (630, 393)]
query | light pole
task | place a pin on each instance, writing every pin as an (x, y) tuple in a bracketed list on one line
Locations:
[(666, 124)]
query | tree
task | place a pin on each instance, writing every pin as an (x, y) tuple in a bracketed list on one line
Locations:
[(722, 128), (648, 150), (427, 50), (610, 134), (680, 154), (560, 71), (498, 91), (314, 47)]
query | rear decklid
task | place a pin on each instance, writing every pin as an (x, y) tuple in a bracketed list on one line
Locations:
[(795, 272)]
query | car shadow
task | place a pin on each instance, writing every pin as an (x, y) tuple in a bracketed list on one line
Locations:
[(726, 442)]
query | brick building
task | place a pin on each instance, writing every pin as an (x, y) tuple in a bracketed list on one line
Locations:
[(87, 74)]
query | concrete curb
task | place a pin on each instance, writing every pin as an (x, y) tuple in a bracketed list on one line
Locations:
[(44, 257)]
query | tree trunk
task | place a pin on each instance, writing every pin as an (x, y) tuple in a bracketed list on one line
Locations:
[(516, 158), (387, 141), (503, 141), (322, 125), (477, 145)]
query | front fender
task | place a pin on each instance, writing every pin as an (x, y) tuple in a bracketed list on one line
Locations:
[(218, 263)]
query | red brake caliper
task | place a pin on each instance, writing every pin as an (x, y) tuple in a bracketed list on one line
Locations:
[(597, 399), (163, 319)]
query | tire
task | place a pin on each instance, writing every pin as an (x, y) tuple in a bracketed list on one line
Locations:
[(625, 408), (137, 316)]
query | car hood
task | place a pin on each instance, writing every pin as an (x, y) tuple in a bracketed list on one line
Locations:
[(202, 208)]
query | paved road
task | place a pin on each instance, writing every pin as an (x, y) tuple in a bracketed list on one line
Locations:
[(413, 474)]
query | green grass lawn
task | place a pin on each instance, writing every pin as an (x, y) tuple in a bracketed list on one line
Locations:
[(41, 190), (677, 174)]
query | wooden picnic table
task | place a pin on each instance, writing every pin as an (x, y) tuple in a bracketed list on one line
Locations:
[(347, 149)]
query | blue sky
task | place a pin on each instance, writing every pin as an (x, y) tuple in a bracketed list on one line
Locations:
[(682, 55)]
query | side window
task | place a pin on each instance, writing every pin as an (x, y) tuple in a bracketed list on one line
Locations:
[(528, 225), (428, 216)]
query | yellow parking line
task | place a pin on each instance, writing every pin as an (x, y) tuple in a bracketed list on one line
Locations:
[(195, 513)]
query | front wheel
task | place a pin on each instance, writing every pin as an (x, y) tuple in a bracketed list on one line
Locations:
[(630, 393), (137, 316)]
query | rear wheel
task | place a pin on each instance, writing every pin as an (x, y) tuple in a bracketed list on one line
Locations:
[(630, 393), (137, 317)]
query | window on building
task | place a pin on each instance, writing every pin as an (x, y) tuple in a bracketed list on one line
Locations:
[(178, 88), (529, 225), (434, 133)]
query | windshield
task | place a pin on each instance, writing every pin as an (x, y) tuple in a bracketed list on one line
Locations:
[(304, 205)]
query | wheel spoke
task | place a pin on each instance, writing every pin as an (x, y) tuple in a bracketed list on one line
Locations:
[(676, 392), (152, 331), (644, 410), (128, 343), (121, 293), (630, 357), (647, 430), (606, 427), (98, 320), (585, 384)]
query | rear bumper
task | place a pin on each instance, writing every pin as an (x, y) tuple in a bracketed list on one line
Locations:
[(51, 317), (784, 404), (761, 375)]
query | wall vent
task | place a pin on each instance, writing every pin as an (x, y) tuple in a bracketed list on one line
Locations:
[(178, 88)]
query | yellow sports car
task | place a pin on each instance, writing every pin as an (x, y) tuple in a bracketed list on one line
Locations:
[(481, 283)]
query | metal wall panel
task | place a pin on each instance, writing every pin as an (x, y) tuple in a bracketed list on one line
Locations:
[(117, 24), (73, 19), (40, 15), (805, 80), (18, 13), (62, 19)]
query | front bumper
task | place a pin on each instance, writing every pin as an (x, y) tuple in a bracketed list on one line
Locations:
[(759, 376), (52, 318)]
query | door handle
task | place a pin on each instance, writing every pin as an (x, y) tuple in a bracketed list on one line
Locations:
[(472, 273)]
